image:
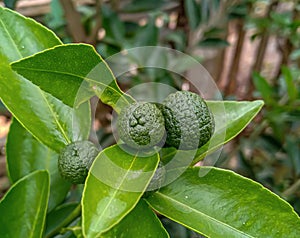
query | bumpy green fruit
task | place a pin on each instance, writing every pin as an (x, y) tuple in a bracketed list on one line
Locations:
[(75, 159), (188, 121), (141, 125)]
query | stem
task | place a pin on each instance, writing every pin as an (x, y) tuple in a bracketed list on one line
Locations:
[(76, 212), (262, 48), (92, 39), (74, 21), (291, 190), (234, 68), (115, 5)]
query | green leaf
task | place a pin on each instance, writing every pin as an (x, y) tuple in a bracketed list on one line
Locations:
[(114, 27), (237, 116), (10, 3), (60, 71), (231, 117), (25, 155), (214, 42), (192, 11), (140, 222), (61, 217), (81, 74), (23, 209), (263, 87), (49, 120), (147, 35), (220, 203), (21, 36), (138, 6), (290, 84), (55, 18), (115, 184)]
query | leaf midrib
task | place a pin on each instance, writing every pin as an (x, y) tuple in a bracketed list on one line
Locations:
[(37, 214), (11, 39), (201, 213), (115, 192)]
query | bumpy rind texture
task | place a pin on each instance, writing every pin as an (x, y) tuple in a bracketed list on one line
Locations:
[(141, 125), (75, 159), (188, 121)]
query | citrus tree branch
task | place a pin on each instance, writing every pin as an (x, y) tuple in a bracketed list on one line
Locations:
[(74, 25)]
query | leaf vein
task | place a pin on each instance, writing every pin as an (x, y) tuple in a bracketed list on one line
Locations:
[(202, 214)]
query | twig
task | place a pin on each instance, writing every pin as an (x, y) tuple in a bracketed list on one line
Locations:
[(73, 20), (291, 190), (92, 39)]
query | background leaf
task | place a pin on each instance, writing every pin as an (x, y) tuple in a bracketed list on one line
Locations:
[(10, 3), (23, 209), (290, 84), (25, 155), (48, 119), (140, 222), (193, 12), (61, 217), (113, 187), (262, 85), (220, 203), (77, 79), (147, 35)]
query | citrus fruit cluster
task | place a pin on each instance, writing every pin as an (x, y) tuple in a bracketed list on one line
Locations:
[(183, 119)]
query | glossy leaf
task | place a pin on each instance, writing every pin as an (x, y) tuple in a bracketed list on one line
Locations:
[(80, 75), (113, 187), (231, 118), (21, 36), (237, 116), (25, 155), (61, 217), (140, 222), (49, 120), (220, 203), (23, 209)]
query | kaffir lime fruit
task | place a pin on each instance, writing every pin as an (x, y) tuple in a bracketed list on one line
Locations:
[(188, 121), (141, 125), (75, 159)]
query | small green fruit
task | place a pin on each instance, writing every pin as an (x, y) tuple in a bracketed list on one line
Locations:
[(188, 121), (75, 159), (141, 125)]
